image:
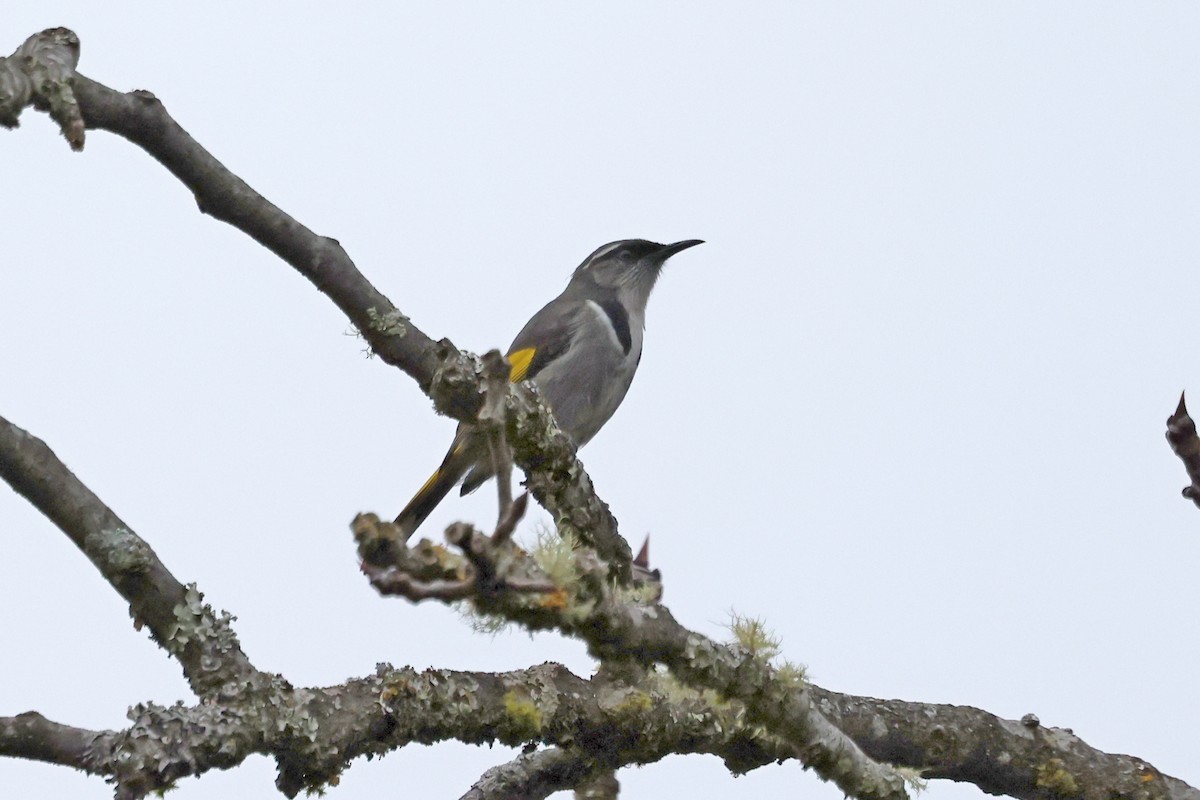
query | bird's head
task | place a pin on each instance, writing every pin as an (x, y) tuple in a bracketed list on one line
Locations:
[(628, 266)]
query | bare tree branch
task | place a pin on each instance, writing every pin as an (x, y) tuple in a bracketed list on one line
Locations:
[(182, 625), (1018, 759), (32, 736), (532, 776)]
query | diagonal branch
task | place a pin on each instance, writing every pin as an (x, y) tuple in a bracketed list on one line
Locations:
[(450, 377), (206, 647)]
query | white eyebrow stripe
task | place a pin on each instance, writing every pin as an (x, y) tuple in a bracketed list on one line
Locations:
[(603, 318), (602, 252)]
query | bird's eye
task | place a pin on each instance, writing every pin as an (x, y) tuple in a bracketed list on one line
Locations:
[(625, 254)]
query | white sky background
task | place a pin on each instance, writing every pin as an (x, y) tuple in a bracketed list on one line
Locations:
[(907, 403)]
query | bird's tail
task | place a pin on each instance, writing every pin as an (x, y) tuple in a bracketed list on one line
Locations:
[(443, 479)]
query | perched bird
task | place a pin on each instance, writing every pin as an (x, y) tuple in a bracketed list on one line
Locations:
[(581, 351)]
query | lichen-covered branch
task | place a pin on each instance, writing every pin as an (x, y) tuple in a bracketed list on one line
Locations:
[(39, 73), (1021, 759), (1181, 433), (593, 726), (614, 626), (450, 377), (181, 624), (314, 733)]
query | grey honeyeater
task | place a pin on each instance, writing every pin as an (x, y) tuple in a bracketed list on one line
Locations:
[(581, 351)]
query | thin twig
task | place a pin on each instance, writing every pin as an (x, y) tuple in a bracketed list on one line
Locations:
[(643, 575), (1181, 433), (533, 776), (396, 582)]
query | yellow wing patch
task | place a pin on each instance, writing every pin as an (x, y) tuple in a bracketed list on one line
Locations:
[(520, 360)]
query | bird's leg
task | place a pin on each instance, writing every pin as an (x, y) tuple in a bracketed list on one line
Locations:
[(508, 522), (492, 418)]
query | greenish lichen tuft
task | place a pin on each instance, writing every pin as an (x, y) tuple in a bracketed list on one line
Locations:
[(1054, 777), (795, 675), (754, 635), (485, 624), (634, 704), (555, 554), (524, 714)]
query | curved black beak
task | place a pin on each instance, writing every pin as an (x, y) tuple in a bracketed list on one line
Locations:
[(669, 250)]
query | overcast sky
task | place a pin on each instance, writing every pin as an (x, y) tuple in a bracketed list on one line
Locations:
[(907, 404)]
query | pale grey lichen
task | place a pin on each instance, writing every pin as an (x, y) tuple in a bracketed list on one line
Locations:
[(389, 323), (196, 621), (118, 551)]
